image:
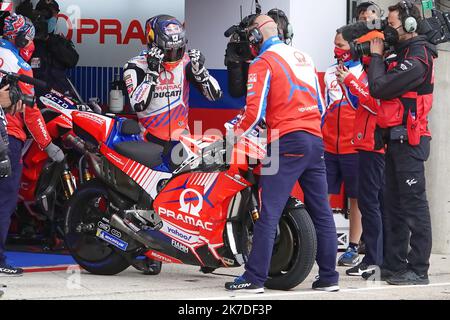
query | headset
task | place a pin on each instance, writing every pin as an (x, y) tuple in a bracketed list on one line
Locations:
[(285, 34), (409, 22), (255, 36)]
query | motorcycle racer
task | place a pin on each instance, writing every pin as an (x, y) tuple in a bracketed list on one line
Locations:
[(158, 80)]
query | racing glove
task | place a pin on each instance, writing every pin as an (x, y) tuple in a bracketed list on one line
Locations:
[(5, 166), (54, 152), (201, 74), (154, 59)]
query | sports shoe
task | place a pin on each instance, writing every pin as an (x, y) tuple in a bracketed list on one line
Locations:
[(408, 278), (9, 271), (242, 285), (384, 274), (325, 286), (349, 258), (360, 269)]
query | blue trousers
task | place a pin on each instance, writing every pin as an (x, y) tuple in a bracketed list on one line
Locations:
[(301, 158), (9, 192), (370, 201)]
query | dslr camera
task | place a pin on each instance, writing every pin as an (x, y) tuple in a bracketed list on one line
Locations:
[(15, 94)]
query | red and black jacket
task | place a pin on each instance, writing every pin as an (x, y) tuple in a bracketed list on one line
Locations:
[(405, 87), (366, 116)]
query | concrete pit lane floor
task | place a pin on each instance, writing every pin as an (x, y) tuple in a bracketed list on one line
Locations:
[(187, 283)]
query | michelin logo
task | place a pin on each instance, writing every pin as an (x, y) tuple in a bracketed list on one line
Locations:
[(122, 245)]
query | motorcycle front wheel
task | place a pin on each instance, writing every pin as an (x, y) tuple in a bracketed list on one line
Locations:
[(294, 251)]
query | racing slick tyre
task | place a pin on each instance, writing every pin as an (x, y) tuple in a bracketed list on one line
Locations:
[(294, 251), (83, 212)]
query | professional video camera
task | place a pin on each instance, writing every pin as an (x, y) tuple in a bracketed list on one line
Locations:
[(436, 28), (356, 30), (15, 94), (238, 49), (238, 54)]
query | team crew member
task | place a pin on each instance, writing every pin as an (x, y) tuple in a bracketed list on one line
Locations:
[(368, 142), (18, 33), (405, 88), (284, 89), (158, 80), (341, 157)]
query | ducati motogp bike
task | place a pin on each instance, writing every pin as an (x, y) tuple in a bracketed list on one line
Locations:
[(199, 210)]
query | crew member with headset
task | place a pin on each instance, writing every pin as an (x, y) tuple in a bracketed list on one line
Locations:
[(405, 88), (18, 33), (275, 76)]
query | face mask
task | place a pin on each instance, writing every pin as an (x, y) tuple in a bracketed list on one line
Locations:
[(52, 24), (27, 52), (391, 35), (342, 55)]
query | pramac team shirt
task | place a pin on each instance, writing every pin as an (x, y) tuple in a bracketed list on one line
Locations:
[(283, 88)]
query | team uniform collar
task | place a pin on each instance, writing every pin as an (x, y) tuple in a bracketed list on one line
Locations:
[(269, 42)]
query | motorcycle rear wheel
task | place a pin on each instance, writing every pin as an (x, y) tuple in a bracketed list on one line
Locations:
[(86, 207)]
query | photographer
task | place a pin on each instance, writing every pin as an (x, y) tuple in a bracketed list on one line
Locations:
[(17, 34), (405, 88), (53, 54)]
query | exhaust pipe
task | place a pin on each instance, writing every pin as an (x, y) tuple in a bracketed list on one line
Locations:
[(137, 234)]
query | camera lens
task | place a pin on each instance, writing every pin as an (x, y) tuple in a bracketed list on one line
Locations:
[(358, 50), (28, 100)]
